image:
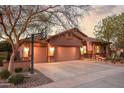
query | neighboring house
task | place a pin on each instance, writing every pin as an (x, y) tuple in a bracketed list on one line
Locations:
[(68, 45)]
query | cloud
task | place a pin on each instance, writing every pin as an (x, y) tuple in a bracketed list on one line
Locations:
[(96, 14), (102, 9)]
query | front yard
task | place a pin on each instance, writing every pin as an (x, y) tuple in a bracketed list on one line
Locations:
[(77, 73), (30, 80)]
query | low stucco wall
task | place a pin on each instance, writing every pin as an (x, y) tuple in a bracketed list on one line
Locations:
[(25, 65)]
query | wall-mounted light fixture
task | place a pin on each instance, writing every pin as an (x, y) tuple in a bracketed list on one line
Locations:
[(51, 51), (26, 52), (83, 50)]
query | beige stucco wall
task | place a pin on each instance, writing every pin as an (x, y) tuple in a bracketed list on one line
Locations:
[(24, 65)]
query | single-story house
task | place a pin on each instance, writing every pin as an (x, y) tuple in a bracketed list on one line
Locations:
[(68, 45)]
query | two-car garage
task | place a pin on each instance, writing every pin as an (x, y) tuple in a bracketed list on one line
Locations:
[(67, 53), (61, 54)]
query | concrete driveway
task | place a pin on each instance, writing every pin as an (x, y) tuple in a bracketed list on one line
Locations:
[(82, 74)]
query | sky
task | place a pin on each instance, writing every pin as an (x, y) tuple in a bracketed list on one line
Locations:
[(96, 14)]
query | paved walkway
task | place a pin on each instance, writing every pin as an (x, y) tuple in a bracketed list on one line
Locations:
[(82, 74)]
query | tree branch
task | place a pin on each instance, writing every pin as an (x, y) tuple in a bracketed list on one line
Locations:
[(5, 31), (31, 14), (7, 10), (16, 20), (3, 37)]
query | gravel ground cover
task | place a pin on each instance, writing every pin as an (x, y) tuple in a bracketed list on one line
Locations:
[(29, 82)]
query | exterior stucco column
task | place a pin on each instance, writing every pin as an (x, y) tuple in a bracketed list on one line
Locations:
[(89, 48), (48, 56), (93, 55), (107, 50)]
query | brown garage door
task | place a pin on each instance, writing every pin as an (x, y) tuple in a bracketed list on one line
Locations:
[(67, 53), (40, 54)]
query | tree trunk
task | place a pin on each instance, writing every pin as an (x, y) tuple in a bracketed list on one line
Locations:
[(10, 67), (12, 58)]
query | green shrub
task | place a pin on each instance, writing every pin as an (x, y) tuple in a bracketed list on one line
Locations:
[(117, 59), (29, 69), (16, 79), (4, 74), (1, 59), (109, 58), (17, 70), (1, 63)]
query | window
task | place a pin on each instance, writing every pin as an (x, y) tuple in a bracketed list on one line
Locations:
[(81, 50), (26, 52), (97, 49)]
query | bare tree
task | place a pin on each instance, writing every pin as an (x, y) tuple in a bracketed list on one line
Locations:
[(17, 21)]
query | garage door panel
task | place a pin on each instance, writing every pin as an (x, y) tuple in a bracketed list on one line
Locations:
[(67, 53), (40, 54)]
